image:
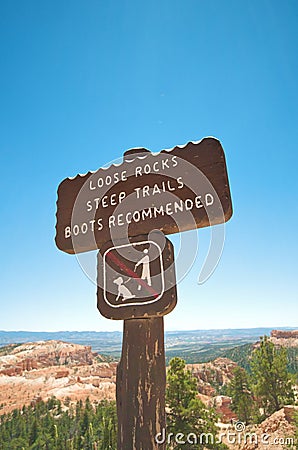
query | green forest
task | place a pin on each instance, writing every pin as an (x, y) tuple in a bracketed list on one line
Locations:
[(243, 353), (47, 425)]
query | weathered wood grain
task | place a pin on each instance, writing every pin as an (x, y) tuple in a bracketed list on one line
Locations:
[(141, 382)]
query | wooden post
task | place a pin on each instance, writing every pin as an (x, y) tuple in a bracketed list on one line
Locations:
[(141, 383)]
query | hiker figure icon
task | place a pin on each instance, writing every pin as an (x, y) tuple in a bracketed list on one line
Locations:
[(145, 262), (123, 291)]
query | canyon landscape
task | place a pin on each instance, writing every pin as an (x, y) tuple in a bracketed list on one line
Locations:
[(36, 371)]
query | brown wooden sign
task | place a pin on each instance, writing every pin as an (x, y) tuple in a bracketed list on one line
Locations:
[(116, 210), (175, 190), (136, 278)]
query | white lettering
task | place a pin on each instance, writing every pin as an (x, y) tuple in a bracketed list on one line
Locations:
[(67, 232), (146, 214), (188, 204), (155, 190), (180, 183), (111, 221), (108, 180), (204, 438), (162, 434), (231, 435), (170, 435), (169, 209), (104, 201), (170, 188), (198, 202), (121, 196), (209, 199), (146, 191), (138, 171), (253, 437), (120, 220), (265, 438), (179, 438), (112, 200), (192, 435), (147, 169), (76, 230), (174, 161), (138, 192), (158, 211), (177, 206), (155, 166), (84, 228), (164, 163), (100, 182), (136, 216)]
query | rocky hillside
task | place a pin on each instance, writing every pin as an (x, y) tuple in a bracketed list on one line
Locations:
[(289, 339), (212, 377), (284, 338), (277, 430), (33, 371)]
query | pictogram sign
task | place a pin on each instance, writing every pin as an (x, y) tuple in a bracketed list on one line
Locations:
[(136, 279)]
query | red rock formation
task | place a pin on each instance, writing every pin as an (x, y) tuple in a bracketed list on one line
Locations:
[(62, 374), (213, 374), (276, 428), (284, 334), (223, 408), (206, 389), (284, 338), (35, 400), (12, 371), (68, 371)]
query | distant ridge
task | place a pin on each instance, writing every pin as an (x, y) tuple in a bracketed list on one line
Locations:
[(191, 345), (24, 334), (241, 354)]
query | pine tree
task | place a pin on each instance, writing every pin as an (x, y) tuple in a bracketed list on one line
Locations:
[(33, 433), (272, 382), (186, 413), (242, 400)]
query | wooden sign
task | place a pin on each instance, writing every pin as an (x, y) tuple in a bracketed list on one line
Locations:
[(116, 209), (175, 190), (136, 279)]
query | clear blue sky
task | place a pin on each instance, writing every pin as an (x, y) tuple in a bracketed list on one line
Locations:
[(83, 81)]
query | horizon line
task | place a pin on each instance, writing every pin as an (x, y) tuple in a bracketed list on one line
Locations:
[(171, 331)]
